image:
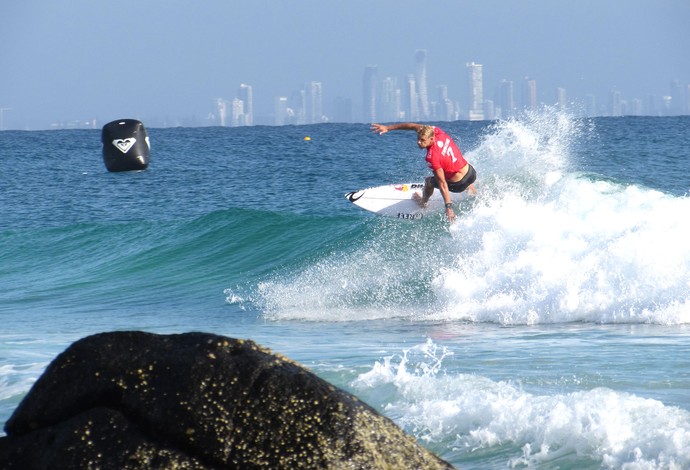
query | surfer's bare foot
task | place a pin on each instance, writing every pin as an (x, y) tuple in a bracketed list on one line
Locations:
[(419, 200)]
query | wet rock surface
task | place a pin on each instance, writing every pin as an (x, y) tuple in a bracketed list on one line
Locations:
[(196, 400)]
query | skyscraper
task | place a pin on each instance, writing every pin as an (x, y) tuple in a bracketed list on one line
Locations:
[(420, 77), (615, 103), (390, 100), (445, 109), (529, 94), (222, 111), (475, 111), (237, 116), (246, 95), (677, 98), (561, 99), (298, 107), (411, 99), (314, 103), (280, 110), (636, 107), (369, 94)]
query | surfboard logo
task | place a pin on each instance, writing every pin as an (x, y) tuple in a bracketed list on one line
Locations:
[(354, 195), (401, 187), (123, 145), (410, 216)]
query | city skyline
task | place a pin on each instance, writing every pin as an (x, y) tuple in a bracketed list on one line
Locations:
[(382, 100), (168, 64), (390, 103)]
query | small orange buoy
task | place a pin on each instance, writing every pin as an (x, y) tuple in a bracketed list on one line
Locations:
[(307, 138)]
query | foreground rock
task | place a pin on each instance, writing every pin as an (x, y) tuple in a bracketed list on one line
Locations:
[(141, 401)]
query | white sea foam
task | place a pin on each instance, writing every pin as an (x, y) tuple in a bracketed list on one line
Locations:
[(542, 243), (566, 247), (470, 414), (233, 299)]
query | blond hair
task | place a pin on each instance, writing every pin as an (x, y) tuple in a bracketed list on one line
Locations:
[(425, 131)]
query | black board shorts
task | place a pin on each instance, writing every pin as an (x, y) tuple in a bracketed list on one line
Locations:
[(459, 186)]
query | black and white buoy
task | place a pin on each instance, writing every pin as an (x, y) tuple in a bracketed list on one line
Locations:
[(126, 146)]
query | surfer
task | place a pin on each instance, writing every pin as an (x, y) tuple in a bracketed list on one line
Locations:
[(451, 171)]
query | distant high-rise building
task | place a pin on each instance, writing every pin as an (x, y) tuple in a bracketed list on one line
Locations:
[(442, 92), (677, 98), (666, 105), (237, 117), (411, 100), (529, 94), (297, 113), (314, 103), (246, 95), (505, 99), (489, 110), (369, 86), (390, 100), (420, 78), (280, 111), (652, 105), (222, 111), (561, 99), (636, 107), (398, 106), (445, 108), (475, 111)]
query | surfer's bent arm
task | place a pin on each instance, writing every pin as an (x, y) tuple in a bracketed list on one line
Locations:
[(404, 126), (445, 192)]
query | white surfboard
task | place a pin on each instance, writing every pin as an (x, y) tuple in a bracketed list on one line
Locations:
[(396, 200)]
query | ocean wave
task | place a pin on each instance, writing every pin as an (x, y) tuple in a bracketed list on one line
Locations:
[(542, 243), (469, 415)]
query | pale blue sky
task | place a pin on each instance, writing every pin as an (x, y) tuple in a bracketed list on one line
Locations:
[(64, 61)]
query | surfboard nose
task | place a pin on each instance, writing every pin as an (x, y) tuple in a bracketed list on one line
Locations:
[(353, 196)]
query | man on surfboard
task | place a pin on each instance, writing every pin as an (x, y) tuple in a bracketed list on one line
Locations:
[(451, 171)]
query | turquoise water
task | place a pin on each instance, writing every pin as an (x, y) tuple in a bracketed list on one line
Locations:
[(548, 327)]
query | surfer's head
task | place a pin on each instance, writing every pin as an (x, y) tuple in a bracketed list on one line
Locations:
[(425, 136)]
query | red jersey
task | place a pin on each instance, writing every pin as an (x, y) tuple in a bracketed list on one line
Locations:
[(443, 153)]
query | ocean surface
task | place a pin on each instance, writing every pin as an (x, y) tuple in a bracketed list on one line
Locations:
[(548, 327)]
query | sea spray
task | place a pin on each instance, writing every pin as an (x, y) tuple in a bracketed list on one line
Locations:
[(578, 243), (546, 244), (523, 156), (588, 251), (384, 272), (479, 415), (541, 243)]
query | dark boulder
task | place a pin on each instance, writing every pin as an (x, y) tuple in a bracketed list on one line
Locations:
[(141, 401)]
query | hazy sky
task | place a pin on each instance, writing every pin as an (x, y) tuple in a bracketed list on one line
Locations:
[(69, 60)]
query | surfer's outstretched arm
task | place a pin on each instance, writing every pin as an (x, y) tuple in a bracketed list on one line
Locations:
[(405, 126)]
